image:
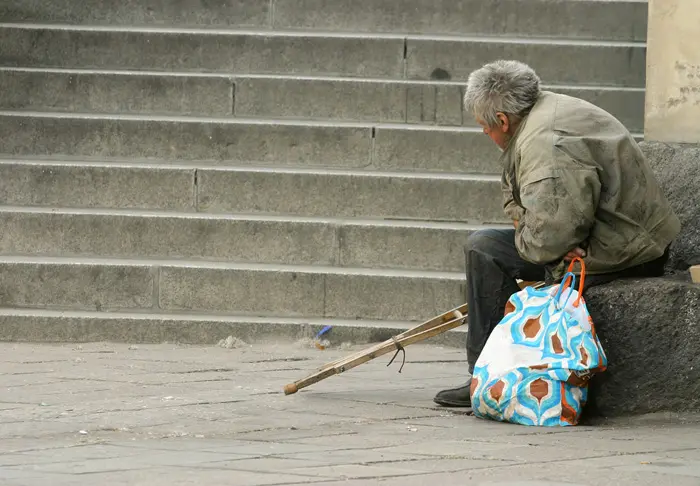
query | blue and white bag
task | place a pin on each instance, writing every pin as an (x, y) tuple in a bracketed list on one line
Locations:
[(535, 367)]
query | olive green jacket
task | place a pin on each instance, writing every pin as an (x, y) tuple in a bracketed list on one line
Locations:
[(574, 176)]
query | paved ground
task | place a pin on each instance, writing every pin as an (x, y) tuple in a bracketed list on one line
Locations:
[(106, 414)]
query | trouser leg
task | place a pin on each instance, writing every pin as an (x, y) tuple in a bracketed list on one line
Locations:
[(493, 265)]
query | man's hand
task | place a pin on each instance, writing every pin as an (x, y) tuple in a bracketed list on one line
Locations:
[(575, 253)]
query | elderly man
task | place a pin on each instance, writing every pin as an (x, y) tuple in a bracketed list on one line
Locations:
[(575, 183)]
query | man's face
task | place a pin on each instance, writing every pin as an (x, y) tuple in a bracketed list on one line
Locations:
[(499, 134)]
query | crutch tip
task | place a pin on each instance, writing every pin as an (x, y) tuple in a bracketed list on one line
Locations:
[(290, 389)]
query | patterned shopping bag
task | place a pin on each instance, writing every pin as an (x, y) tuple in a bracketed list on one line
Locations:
[(536, 365)]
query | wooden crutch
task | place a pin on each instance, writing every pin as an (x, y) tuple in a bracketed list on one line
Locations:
[(437, 325)]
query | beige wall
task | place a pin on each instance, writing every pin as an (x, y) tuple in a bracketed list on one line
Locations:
[(673, 72)]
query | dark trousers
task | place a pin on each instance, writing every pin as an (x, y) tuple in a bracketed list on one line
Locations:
[(493, 265)]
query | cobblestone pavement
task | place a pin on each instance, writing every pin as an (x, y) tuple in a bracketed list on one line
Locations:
[(110, 414)]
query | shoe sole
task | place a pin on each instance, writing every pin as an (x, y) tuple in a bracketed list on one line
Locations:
[(449, 403)]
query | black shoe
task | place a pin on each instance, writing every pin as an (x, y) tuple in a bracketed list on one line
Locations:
[(456, 397)]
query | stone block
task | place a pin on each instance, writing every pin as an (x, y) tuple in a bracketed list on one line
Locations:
[(25, 326), (343, 194), (186, 139), (116, 93), (576, 63), (429, 103), (434, 247), (164, 236), (241, 291), (677, 168), (96, 186), (617, 20), (414, 298), (439, 104), (410, 246), (435, 150), (229, 52), (649, 331), (194, 13), (321, 99), (53, 285), (290, 292)]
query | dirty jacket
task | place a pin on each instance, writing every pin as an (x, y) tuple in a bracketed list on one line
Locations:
[(574, 176)]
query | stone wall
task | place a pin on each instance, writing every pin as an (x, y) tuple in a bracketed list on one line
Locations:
[(650, 328)]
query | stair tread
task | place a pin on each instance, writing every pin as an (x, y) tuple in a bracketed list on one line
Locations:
[(263, 32), (231, 265)]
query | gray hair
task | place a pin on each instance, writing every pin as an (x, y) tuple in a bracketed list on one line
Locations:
[(508, 87)]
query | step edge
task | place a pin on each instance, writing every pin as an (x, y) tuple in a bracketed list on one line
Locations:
[(280, 268)]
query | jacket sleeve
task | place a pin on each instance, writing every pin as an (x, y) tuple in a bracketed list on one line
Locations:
[(512, 210), (559, 212)]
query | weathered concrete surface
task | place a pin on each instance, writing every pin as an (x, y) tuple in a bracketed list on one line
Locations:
[(116, 93), (649, 331), (619, 20), (245, 239), (673, 72), (215, 288), (587, 64), (284, 97), (76, 287), (96, 186), (284, 291), (337, 194), (230, 52), (191, 139), (175, 415), (200, 13), (677, 168), (42, 326)]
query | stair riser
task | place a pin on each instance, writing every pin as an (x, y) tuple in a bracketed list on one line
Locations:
[(470, 201), (555, 64), (111, 93), (97, 187), (294, 243), (538, 18), (144, 330), (188, 140), (218, 191), (222, 53), (603, 20), (221, 143), (228, 13), (366, 57), (387, 102), (206, 290), (396, 102)]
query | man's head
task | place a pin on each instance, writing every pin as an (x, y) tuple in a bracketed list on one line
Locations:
[(499, 95)]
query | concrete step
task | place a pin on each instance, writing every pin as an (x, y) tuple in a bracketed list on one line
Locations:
[(243, 238), (225, 141), (32, 325), (453, 197), (291, 97), (281, 52), (620, 20), (225, 288)]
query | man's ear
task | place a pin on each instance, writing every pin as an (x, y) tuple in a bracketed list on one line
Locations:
[(504, 122)]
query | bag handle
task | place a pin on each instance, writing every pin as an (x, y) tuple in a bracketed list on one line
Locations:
[(569, 276), (582, 280)]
